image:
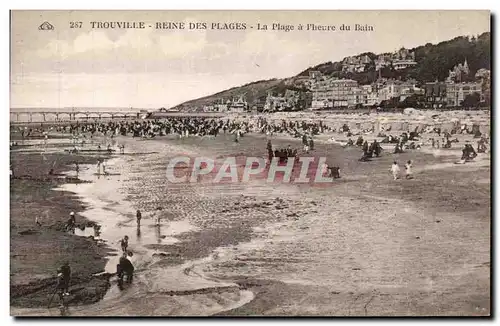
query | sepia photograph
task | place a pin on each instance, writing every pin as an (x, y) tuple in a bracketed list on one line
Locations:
[(250, 163)]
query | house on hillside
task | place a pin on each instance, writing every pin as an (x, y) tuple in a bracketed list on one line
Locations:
[(355, 64), (220, 106), (164, 110), (459, 73), (239, 105)]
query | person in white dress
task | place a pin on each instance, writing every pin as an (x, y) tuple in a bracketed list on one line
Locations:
[(395, 170)]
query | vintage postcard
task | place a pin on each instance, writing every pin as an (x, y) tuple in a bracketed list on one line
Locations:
[(250, 163)]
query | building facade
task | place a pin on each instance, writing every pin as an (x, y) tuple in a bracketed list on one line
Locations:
[(435, 94), (335, 93), (456, 92)]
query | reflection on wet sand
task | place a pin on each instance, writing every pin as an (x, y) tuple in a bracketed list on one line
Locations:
[(138, 233), (158, 234)]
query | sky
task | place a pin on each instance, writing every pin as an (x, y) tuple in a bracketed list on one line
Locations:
[(153, 68)]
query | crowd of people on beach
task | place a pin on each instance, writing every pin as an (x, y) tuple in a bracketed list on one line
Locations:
[(82, 131)]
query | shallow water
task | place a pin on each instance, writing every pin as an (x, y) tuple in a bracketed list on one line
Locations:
[(155, 286)]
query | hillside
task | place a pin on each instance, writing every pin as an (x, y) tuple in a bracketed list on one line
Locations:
[(433, 63), (252, 92)]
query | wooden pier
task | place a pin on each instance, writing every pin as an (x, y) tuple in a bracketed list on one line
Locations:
[(73, 115)]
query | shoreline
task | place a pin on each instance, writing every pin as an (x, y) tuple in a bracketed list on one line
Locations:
[(30, 285)]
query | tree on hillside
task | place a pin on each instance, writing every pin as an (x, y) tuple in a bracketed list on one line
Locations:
[(390, 104), (413, 101)]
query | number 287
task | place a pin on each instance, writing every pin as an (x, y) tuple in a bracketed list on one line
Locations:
[(75, 24)]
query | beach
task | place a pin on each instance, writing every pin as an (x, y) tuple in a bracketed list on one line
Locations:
[(364, 244)]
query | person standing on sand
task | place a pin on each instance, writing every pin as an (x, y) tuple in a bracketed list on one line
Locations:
[(269, 148), (158, 216), (103, 167), (395, 170), (306, 147), (64, 278), (98, 166), (71, 224), (408, 166), (139, 217), (77, 169), (124, 243), (311, 144)]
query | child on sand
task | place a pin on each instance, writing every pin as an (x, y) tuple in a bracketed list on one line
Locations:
[(158, 216), (124, 243), (395, 170), (408, 167)]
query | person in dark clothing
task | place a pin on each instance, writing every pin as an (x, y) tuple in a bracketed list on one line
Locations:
[(139, 217), (376, 148), (335, 172), (63, 279), (269, 148), (270, 154), (71, 223), (269, 145), (398, 149), (468, 153), (124, 267), (124, 243)]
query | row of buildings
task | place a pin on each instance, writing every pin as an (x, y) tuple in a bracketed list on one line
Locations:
[(329, 92), (399, 60), (289, 100), (231, 105), (333, 93)]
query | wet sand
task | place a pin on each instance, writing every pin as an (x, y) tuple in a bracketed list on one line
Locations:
[(37, 251), (365, 245)]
